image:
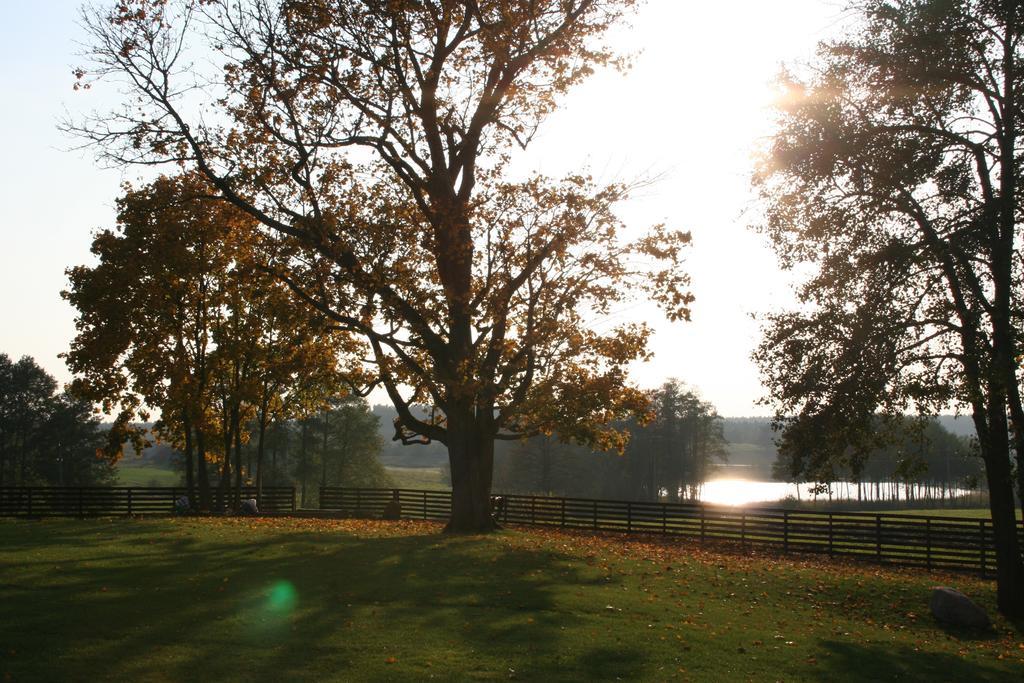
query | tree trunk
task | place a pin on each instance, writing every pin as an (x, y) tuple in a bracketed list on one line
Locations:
[(1009, 565), (273, 453), (237, 429), (1017, 423), (225, 466), (203, 474), (190, 481), (303, 463), (994, 442), (1009, 569), (323, 450), (227, 438), (259, 456), (471, 458)]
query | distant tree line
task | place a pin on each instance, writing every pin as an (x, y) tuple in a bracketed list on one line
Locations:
[(912, 459), (54, 438), (339, 445), (753, 430), (48, 437), (668, 458)]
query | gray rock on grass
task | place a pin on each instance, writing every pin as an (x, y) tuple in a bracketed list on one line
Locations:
[(956, 609)]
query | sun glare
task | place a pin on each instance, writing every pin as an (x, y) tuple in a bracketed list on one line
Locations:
[(744, 492)]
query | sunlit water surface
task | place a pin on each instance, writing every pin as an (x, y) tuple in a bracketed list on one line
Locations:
[(746, 491)]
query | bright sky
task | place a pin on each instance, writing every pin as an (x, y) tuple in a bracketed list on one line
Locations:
[(693, 109)]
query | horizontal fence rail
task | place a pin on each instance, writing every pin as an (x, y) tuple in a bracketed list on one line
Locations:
[(84, 501), (932, 542)]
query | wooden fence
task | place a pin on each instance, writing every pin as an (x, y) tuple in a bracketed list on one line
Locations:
[(83, 501), (933, 542)]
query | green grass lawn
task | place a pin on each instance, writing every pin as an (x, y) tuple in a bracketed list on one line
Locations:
[(429, 478), (142, 475), (313, 600)]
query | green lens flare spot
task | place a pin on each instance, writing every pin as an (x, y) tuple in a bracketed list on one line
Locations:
[(282, 597)]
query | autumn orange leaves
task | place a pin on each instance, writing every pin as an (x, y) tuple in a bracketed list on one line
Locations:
[(371, 141)]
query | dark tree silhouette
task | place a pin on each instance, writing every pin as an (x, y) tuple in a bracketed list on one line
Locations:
[(48, 437), (894, 174)]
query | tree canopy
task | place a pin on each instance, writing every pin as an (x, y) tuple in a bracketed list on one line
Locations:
[(370, 141), (893, 179), (46, 436), (177, 315)]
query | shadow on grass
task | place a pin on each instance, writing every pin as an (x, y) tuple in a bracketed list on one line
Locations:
[(195, 600), (153, 601), (883, 662), (969, 634)]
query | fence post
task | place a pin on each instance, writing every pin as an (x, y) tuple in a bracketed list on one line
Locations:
[(743, 528), (563, 513), (702, 524), (129, 501), (830, 534), (928, 542), (424, 505), (785, 531), (533, 509), (595, 515), (359, 502), (293, 499), (878, 537), (629, 517), (981, 529), (664, 519)]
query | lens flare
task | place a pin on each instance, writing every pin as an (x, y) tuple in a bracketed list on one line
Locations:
[(281, 597)]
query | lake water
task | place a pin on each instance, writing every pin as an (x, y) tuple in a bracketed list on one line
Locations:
[(746, 491)]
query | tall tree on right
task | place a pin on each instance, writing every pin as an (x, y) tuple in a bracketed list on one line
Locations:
[(893, 180)]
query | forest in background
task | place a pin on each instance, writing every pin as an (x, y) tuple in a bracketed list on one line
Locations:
[(688, 444), (340, 445), (47, 437)]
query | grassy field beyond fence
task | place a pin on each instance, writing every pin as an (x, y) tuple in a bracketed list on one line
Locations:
[(143, 475), (418, 478)]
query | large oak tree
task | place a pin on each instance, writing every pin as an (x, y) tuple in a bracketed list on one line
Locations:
[(371, 140), (893, 178)]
